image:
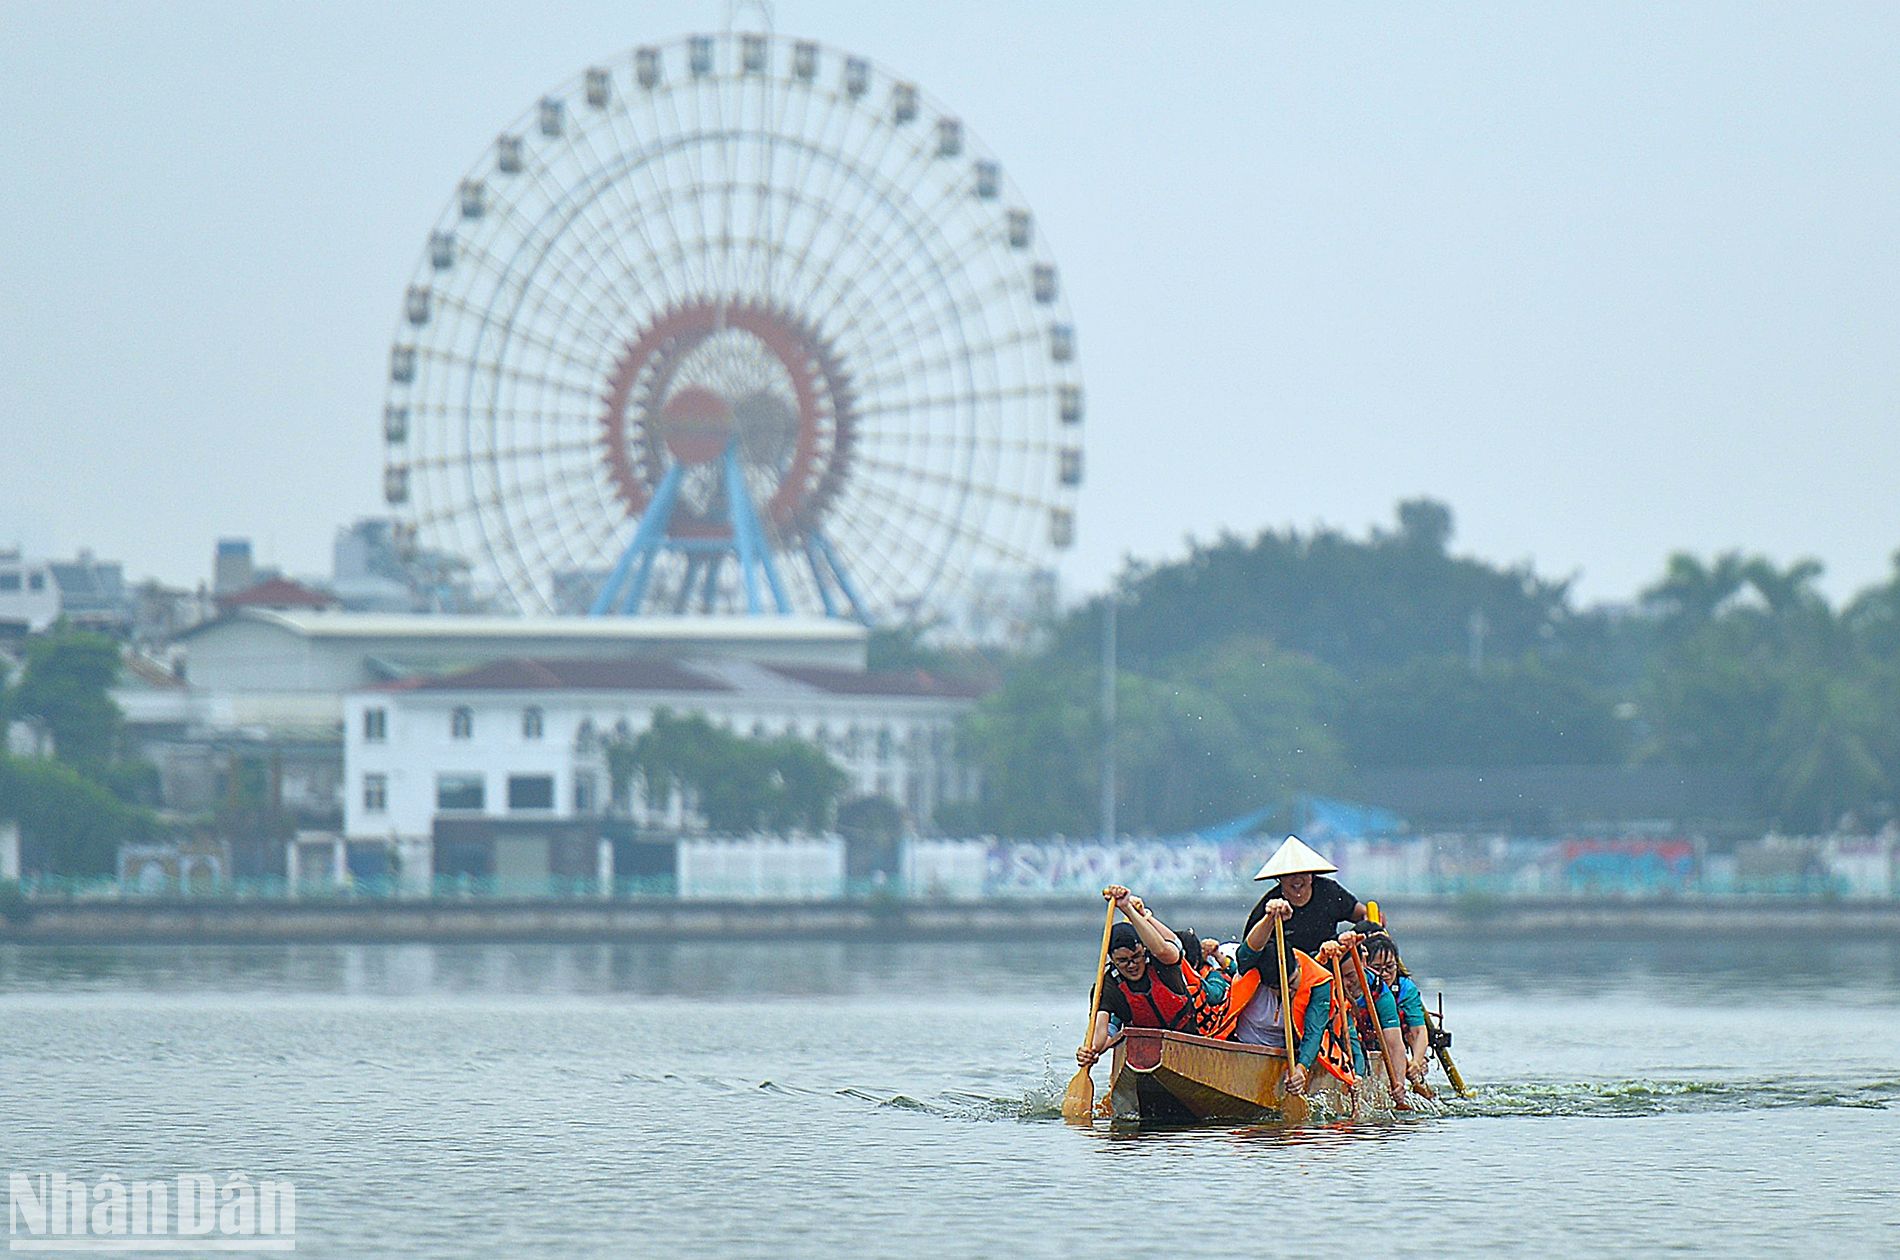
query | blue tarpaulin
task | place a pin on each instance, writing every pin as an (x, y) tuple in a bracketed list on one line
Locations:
[(1322, 817)]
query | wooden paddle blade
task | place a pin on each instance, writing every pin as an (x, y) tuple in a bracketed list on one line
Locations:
[(1078, 1105)]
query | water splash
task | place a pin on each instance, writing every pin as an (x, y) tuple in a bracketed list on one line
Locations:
[(1644, 1097), (1041, 1101)]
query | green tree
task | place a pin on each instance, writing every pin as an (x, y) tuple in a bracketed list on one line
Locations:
[(738, 785), (70, 824), (1822, 758), (1352, 604), (1436, 711), (66, 687), (1690, 593), (1777, 686), (1036, 743), (1213, 736)]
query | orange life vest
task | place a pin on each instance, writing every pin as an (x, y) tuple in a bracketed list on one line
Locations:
[(1335, 1050)]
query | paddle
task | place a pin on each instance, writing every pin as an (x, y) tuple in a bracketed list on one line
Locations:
[(1292, 1106), (1439, 1044), (1078, 1105)]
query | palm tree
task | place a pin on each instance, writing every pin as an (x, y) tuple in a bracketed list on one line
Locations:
[(1692, 593)]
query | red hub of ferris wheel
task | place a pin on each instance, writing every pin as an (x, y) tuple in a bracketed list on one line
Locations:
[(675, 398)]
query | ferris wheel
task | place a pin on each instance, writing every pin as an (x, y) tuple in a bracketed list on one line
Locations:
[(739, 323)]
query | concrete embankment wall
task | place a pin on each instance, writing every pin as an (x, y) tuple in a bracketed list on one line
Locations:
[(666, 920)]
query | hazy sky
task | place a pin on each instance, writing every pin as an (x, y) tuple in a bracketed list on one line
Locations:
[(1609, 279)]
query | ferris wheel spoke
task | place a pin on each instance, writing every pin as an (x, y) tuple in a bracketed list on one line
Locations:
[(647, 172), (511, 453), (558, 512), (599, 250), (451, 358), (963, 486), (949, 524), (955, 257), (524, 280), (844, 171), (542, 342), (769, 229), (887, 335), (629, 215), (1000, 393), (913, 365)]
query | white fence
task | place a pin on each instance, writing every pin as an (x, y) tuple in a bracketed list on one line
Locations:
[(757, 868)]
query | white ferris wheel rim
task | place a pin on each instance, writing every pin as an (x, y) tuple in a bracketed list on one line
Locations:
[(873, 217)]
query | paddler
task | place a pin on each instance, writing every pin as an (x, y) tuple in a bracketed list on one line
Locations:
[(1382, 958), (1310, 905), (1144, 985), (1253, 1010), (1374, 1009)]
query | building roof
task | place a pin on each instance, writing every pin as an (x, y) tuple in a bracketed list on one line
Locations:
[(277, 594), (689, 675), (349, 625), (523, 674), (910, 682)]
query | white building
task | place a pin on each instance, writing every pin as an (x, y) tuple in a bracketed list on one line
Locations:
[(479, 764), (523, 737), (29, 595)]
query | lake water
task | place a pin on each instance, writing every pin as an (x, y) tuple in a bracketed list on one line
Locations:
[(1725, 1095)]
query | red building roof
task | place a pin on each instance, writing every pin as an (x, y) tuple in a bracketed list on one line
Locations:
[(279, 593), (654, 673)]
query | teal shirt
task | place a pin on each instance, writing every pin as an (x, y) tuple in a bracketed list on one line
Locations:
[(1387, 1009), (1411, 1004), (1384, 1005)]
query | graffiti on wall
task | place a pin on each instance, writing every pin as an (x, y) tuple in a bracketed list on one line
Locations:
[(1155, 869)]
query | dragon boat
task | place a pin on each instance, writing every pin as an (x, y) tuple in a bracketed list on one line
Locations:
[(1167, 1077)]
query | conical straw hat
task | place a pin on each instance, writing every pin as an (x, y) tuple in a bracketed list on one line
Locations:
[(1294, 858)]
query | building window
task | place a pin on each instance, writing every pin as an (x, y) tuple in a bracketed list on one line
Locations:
[(9, 581), (584, 793), (36, 581), (884, 743), (375, 725), (530, 791), (531, 723), (461, 723), (461, 792), (375, 793)]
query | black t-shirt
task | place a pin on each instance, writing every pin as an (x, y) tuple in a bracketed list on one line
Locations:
[(1314, 923), (1115, 1002)]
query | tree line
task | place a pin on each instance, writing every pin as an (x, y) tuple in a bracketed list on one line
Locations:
[(1251, 670)]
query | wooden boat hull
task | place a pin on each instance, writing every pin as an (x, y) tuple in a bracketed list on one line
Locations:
[(1174, 1077)]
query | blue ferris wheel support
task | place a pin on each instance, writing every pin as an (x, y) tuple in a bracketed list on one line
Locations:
[(625, 590)]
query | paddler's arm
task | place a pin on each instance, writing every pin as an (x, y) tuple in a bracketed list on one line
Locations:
[(1319, 1009), (1418, 1056), (1392, 1041), (1262, 931), (1159, 942), (1098, 1041)]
